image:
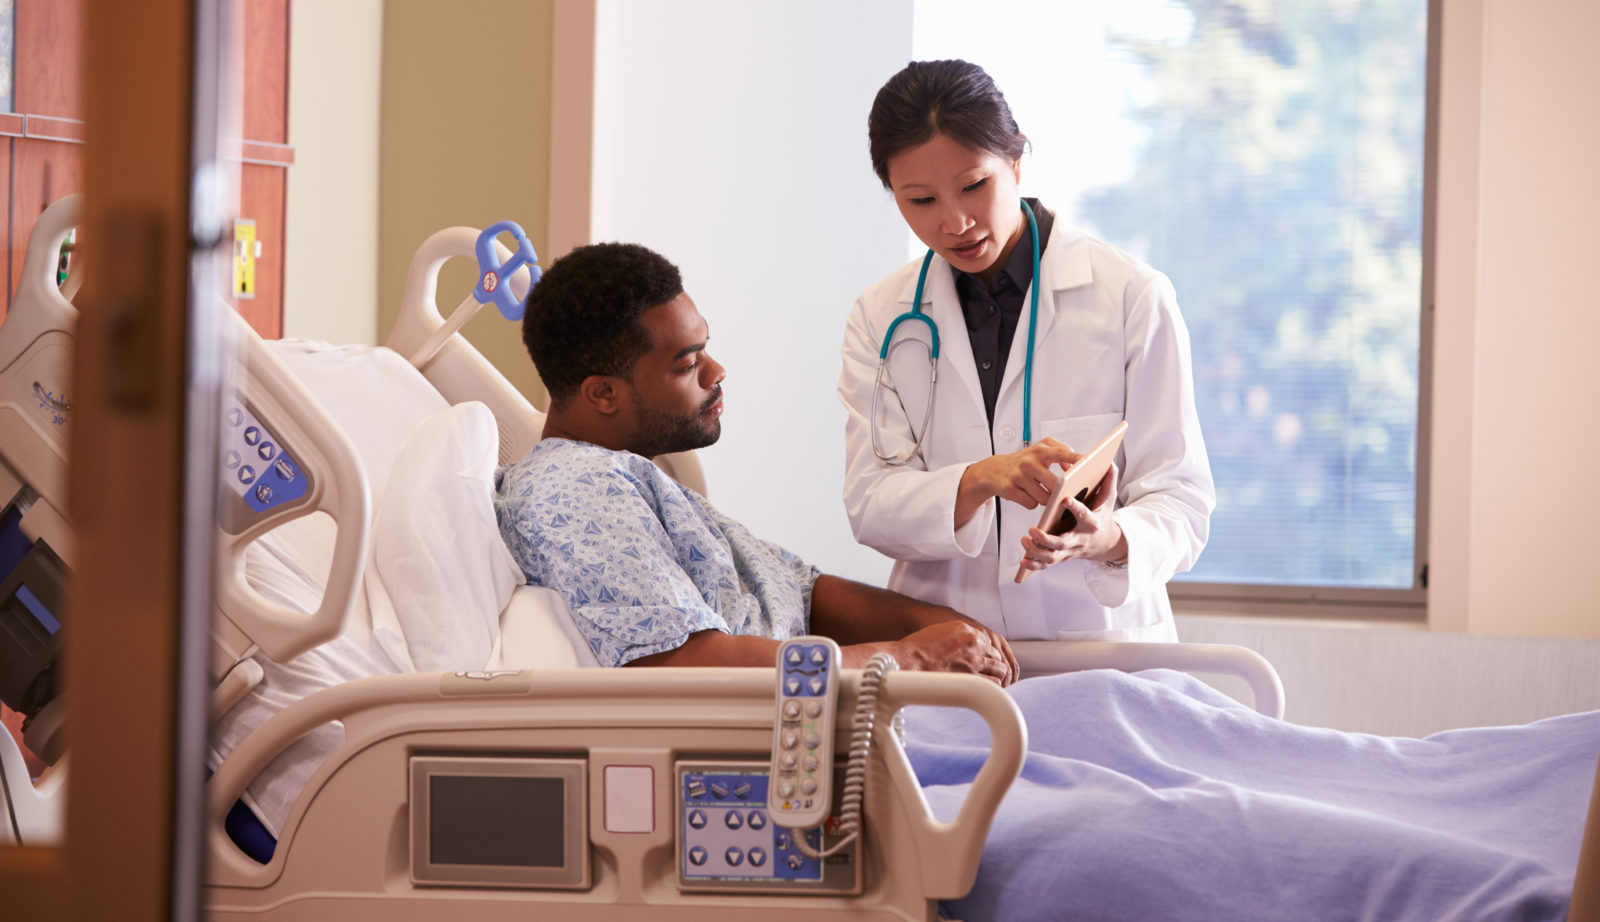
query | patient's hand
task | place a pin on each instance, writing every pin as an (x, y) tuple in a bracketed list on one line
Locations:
[(958, 645)]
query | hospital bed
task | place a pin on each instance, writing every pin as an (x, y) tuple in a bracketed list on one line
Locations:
[(381, 779)]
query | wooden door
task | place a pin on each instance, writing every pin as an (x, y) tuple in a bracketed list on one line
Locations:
[(135, 671), (41, 138)]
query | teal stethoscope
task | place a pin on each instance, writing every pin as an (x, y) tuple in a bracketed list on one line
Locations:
[(933, 356)]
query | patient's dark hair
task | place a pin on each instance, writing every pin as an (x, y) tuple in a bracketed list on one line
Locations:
[(954, 98), (583, 316)]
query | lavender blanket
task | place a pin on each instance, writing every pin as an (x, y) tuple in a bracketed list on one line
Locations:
[(1151, 796)]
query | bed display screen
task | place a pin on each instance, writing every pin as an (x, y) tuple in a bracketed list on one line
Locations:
[(496, 821), (499, 821)]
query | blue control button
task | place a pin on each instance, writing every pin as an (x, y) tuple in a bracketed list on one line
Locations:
[(263, 494), (247, 474), (284, 469), (234, 416), (697, 855), (734, 820), (735, 857), (697, 819), (252, 435), (758, 857), (758, 820), (232, 460), (719, 790), (267, 451)]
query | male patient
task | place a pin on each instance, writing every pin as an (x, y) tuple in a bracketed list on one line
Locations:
[(653, 574)]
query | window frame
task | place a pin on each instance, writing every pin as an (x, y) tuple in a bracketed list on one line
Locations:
[(1349, 602)]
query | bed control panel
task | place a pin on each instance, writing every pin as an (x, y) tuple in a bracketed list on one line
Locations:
[(727, 840), (802, 737), (260, 472)]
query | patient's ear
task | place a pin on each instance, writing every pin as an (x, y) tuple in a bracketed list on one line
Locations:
[(603, 393)]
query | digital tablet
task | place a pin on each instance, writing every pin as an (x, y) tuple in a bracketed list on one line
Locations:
[(1077, 481)]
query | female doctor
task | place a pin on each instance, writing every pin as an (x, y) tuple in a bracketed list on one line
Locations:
[(949, 458)]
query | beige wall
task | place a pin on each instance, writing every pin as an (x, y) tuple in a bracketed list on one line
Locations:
[(331, 236), (1517, 321), (465, 141)]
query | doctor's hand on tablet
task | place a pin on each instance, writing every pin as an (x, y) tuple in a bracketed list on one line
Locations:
[(1087, 530), (1023, 477)]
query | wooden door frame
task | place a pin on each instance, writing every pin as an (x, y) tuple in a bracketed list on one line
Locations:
[(132, 846)]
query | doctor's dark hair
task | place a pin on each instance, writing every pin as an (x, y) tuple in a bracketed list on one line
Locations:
[(954, 98), (583, 316)]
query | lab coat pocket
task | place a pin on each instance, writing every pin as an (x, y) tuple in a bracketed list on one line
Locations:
[(1081, 433)]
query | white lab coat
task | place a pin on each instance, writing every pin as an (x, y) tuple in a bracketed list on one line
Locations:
[(1111, 345)]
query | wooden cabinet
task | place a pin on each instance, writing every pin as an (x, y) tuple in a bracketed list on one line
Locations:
[(41, 138)]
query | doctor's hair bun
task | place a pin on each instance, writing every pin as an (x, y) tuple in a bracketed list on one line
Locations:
[(583, 316), (954, 98)]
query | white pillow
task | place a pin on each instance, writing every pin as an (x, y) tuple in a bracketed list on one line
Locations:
[(437, 546), (537, 632)]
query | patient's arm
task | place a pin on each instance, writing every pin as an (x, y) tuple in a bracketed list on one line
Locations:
[(931, 637), (864, 620)]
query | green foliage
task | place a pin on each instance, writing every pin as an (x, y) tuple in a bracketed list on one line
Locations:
[(1280, 187)]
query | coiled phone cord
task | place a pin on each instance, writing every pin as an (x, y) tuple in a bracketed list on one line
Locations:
[(855, 772)]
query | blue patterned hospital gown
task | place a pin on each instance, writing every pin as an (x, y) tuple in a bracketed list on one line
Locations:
[(642, 561)]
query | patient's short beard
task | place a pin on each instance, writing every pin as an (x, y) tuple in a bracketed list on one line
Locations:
[(661, 433)]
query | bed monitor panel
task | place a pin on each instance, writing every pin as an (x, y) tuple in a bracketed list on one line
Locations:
[(499, 821), (727, 841)]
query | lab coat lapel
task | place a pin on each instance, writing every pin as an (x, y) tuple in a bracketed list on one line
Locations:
[(1064, 265), (955, 347)]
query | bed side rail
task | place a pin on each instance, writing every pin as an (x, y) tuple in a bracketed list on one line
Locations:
[(949, 852), (1045, 657), (637, 712)]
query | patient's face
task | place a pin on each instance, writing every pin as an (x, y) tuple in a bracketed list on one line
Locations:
[(677, 386)]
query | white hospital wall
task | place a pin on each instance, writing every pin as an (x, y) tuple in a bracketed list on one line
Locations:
[(330, 275), (731, 137)]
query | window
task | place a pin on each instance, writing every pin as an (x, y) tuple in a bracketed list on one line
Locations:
[(1269, 158)]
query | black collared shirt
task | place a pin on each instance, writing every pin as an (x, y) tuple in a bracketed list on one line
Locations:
[(992, 313)]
